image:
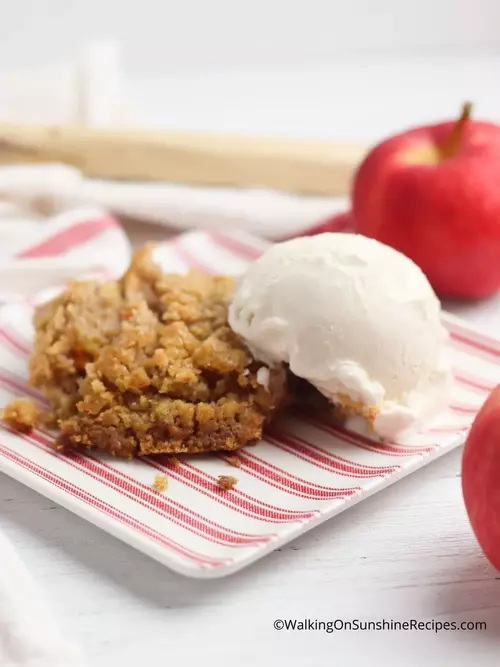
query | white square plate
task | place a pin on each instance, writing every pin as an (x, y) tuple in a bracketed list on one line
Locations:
[(304, 471)]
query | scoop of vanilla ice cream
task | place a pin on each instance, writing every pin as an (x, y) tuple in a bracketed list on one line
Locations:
[(355, 318)]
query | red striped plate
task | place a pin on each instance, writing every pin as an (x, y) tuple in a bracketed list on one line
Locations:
[(304, 472)]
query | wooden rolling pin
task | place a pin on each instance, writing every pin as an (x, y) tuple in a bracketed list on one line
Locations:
[(306, 166)]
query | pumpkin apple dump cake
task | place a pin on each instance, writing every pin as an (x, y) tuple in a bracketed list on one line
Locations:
[(148, 365)]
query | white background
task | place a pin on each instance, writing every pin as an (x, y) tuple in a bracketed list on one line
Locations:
[(167, 35), (358, 69), (350, 69)]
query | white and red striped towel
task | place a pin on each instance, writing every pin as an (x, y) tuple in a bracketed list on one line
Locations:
[(272, 215), (37, 254)]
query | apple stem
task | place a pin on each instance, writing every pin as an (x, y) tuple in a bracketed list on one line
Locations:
[(452, 142)]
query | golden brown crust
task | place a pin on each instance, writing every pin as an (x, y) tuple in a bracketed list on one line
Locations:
[(149, 365)]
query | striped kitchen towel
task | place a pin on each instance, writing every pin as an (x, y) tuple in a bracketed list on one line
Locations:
[(38, 253)]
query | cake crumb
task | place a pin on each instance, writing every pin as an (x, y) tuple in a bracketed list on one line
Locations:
[(21, 414), (227, 482), (161, 483), (174, 461), (234, 461)]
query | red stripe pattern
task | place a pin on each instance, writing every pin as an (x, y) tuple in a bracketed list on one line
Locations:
[(77, 234), (306, 470)]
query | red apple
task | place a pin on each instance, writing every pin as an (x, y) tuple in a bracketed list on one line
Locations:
[(434, 194), (481, 477)]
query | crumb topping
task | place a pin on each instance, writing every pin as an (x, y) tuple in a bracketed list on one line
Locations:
[(149, 365)]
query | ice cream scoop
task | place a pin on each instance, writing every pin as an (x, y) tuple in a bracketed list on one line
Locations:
[(355, 318)]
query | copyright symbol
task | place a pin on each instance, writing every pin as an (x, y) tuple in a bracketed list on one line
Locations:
[(278, 624)]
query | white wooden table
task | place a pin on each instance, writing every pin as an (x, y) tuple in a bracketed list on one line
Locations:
[(408, 552)]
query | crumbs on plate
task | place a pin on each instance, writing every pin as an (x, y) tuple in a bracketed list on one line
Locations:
[(160, 483), (21, 414), (227, 482), (234, 461)]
